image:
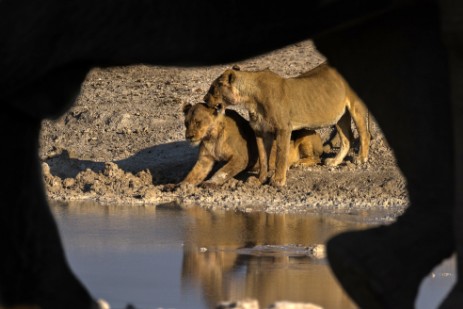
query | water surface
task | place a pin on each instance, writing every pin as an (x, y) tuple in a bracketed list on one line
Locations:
[(168, 257)]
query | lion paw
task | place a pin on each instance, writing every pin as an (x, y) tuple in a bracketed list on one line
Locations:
[(253, 181), (331, 162), (278, 183), (209, 185), (360, 160), (263, 179)]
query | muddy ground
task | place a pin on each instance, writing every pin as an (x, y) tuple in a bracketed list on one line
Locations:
[(123, 141)]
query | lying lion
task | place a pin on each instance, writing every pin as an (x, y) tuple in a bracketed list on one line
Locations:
[(225, 136), (277, 106)]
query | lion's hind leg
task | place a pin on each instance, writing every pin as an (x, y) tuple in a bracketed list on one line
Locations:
[(360, 114), (343, 128), (308, 148)]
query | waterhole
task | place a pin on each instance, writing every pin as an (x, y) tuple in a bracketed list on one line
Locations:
[(176, 257)]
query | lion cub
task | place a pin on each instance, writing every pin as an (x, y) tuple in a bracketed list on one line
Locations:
[(277, 106), (225, 136)]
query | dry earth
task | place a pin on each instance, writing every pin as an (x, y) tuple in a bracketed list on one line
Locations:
[(124, 139)]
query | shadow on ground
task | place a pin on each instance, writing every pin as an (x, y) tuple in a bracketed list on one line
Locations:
[(167, 163)]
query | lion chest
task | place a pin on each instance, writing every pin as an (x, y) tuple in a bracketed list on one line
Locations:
[(258, 121), (216, 148)]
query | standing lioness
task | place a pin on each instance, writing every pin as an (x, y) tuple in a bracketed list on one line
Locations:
[(277, 106)]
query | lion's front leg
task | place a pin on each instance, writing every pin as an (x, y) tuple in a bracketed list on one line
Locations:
[(263, 157), (283, 140), (200, 171), (233, 167)]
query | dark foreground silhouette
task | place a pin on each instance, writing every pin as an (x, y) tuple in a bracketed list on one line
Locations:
[(404, 60)]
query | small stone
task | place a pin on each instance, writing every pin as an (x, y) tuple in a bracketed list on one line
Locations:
[(69, 182)]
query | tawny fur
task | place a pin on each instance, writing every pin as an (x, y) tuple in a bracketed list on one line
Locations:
[(222, 137), (225, 136), (277, 106), (305, 149)]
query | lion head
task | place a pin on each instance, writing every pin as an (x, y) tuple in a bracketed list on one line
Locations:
[(222, 91), (200, 119)]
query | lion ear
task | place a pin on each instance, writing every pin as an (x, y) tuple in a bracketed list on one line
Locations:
[(186, 107), (231, 77)]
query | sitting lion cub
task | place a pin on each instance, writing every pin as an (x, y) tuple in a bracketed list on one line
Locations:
[(225, 136), (277, 106)]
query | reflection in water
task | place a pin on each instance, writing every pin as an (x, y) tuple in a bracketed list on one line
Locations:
[(193, 258), (214, 260)]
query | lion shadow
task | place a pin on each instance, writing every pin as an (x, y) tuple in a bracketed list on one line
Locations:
[(167, 163)]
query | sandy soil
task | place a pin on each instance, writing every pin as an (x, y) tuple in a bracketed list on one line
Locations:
[(124, 139)]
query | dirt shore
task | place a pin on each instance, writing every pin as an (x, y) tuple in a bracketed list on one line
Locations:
[(124, 139)]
